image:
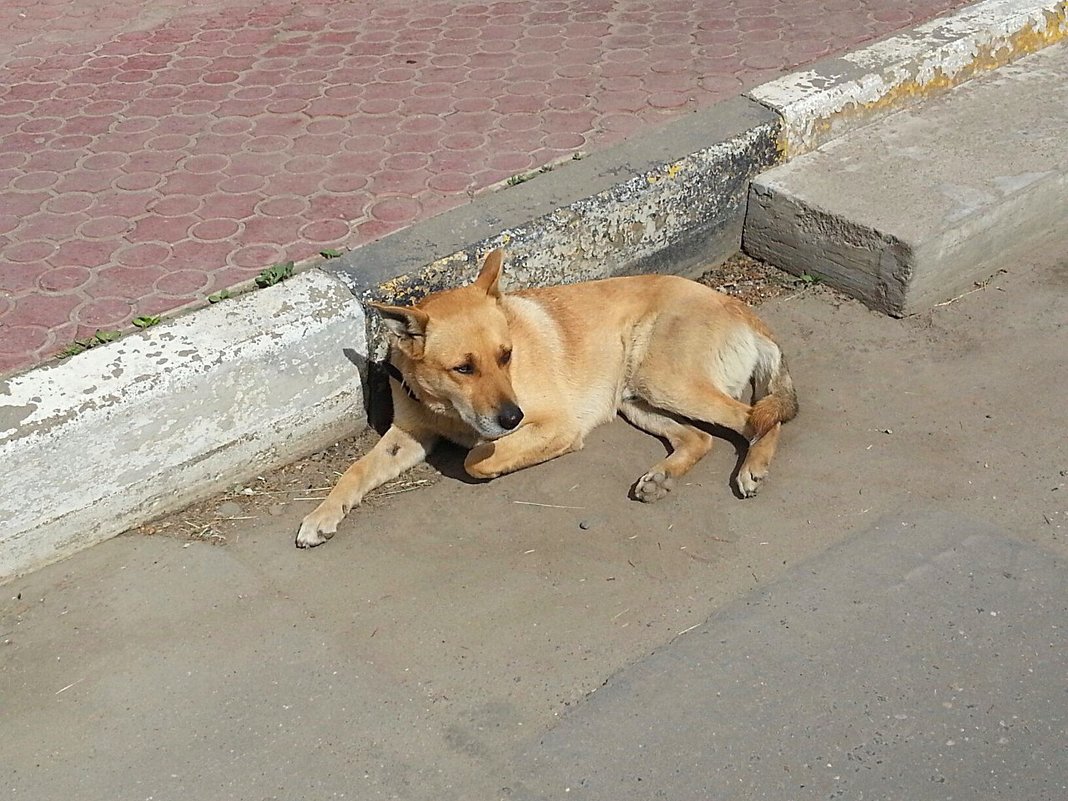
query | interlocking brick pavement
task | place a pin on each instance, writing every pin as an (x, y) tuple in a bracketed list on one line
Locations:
[(153, 153)]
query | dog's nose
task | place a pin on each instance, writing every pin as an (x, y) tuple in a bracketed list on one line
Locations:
[(509, 416)]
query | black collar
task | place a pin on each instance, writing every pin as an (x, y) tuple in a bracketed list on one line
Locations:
[(395, 374)]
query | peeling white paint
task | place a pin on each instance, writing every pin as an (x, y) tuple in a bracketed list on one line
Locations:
[(809, 100)]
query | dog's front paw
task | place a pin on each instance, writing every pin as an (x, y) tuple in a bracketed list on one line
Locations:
[(748, 482), (653, 486), (320, 525)]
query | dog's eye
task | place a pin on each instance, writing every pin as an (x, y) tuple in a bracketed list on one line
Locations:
[(464, 369), (506, 357)]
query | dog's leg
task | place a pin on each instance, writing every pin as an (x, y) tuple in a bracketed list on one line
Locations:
[(532, 444), (688, 446), (397, 451), (697, 399), (755, 467)]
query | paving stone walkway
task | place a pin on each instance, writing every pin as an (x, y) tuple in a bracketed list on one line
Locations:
[(153, 153)]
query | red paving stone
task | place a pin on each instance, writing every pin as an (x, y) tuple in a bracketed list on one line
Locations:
[(152, 153)]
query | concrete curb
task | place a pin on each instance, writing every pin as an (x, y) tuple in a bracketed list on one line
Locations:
[(841, 94), (160, 419)]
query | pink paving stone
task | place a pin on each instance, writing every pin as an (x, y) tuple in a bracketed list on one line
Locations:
[(284, 184), (42, 308), (105, 227), (182, 283), (103, 312), (325, 232), (343, 183), (395, 210), (153, 228), (518, 104), (473, 104), (214, 230), (125, 283), (229, 206), (80, 253), (272, 229), (451, 182), (11, 159), (18, 340), (326, 127), (205, 163), (407, 161), (266, 144), (196, 108), (50, 227), (432, 105), (34, 181), (24, 203), (175, 205), (17, 279), (463, 141), (621, 101), (189, 183), (230, 126), (282, 206), (104, 161), (179, 142), (31, 251), (406, 182), (564, 141), (40, 125), (143, 254), (319, 145), (241, 184), (194, 253), (257, 256), (305, 164), (64, 279)]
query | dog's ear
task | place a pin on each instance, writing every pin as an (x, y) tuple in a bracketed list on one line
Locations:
[(403, 322), (490, 274)]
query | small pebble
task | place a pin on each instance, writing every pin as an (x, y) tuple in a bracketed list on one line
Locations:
[(585, 525), (229, 509)]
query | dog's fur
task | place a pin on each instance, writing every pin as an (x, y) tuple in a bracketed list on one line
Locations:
[(522, 378)]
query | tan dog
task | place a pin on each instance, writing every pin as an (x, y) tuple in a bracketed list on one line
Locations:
[(524, 377)]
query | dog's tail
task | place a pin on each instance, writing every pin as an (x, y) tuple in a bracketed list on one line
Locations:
[(776, 400)]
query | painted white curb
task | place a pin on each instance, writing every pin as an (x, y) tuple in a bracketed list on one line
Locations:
[(164, 417), (842, 94)]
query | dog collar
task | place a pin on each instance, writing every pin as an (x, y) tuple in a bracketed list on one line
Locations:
[(395, 374)]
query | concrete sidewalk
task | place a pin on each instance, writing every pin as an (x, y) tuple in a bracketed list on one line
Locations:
[(453, 642)]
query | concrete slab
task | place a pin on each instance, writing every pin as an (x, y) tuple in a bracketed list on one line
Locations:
[(916, 208), (143, 426), (837, 95), (924, 658)]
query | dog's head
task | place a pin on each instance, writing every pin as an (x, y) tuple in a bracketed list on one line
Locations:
[(456, 352)]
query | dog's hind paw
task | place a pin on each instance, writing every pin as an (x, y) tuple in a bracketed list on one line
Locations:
[(653, 486), (748, 483)]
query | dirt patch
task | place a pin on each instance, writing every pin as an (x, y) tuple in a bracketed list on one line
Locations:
[(217, 519), (751, 280)]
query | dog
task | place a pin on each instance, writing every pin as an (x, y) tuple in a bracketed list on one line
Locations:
[(521, 378)]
